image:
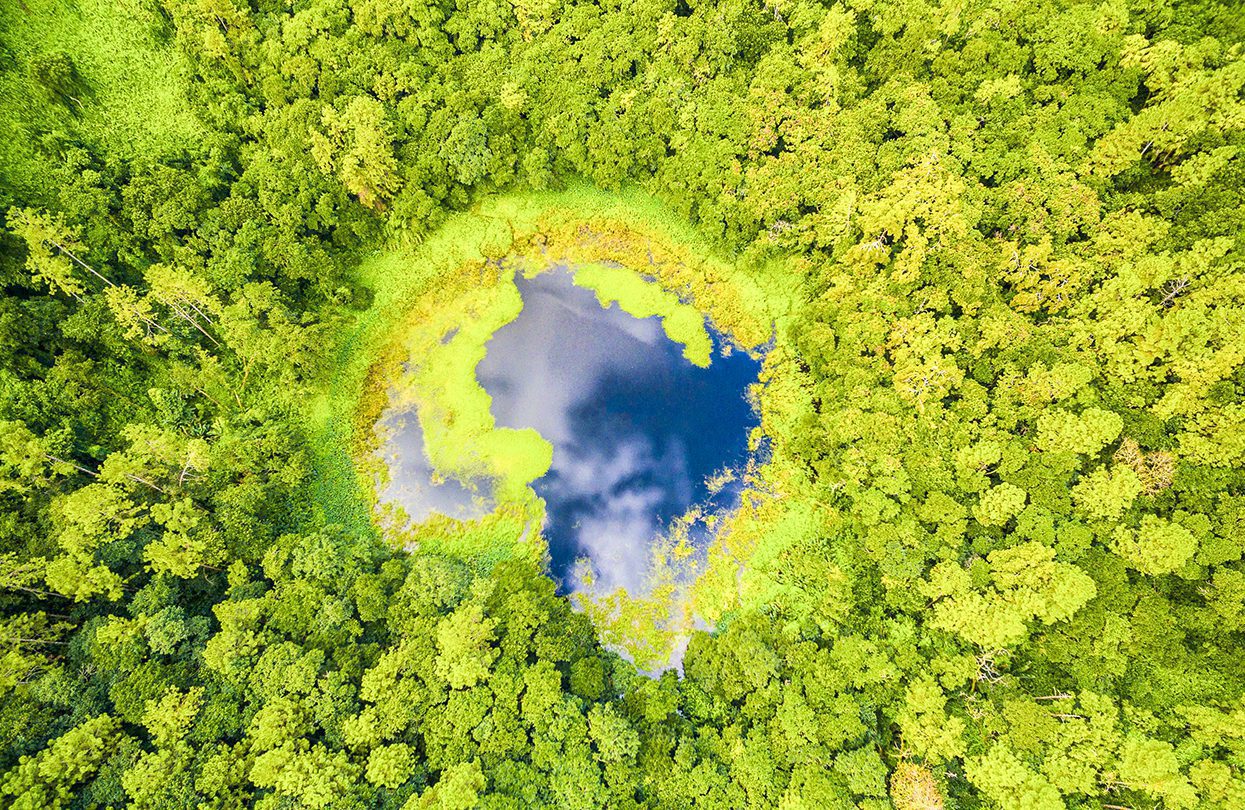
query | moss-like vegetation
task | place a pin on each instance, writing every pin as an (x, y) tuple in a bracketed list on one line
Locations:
[(682, 322), (93, 67)]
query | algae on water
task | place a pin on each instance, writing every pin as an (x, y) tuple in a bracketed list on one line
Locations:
[(682, 322)]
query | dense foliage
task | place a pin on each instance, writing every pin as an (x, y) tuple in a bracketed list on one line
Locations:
[(1011, 405)]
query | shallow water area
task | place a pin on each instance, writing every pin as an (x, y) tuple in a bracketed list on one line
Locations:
[(412, 482), (637, 430)]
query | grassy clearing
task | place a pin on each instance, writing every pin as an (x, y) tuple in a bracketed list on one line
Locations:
[(129, 95)]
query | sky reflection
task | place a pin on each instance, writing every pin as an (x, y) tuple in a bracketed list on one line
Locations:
[(636, 429), (412, 484)]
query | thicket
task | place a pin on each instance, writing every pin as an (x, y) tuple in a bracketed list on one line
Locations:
[(1009, 439)]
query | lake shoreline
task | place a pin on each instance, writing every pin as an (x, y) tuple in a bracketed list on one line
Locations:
[(462, 278)]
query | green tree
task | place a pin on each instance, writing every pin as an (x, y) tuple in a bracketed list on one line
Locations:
[(356, 145), (47, 779), (458, 789), (1157, 546), (1024, 583), (465, 645), (52, 250)]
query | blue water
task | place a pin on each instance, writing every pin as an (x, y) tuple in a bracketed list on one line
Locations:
[(636, 429)]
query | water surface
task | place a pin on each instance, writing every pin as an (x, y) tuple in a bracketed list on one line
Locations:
[(636, 428), (412, 482)]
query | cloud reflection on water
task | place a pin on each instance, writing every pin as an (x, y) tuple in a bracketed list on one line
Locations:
[(636, 429), (412, 484)]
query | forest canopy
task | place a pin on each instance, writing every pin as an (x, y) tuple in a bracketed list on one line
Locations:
[(992, 557)]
